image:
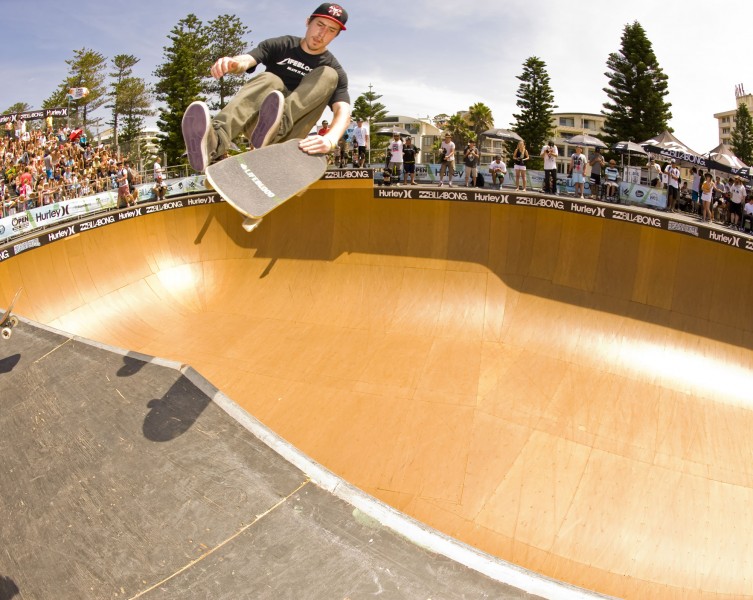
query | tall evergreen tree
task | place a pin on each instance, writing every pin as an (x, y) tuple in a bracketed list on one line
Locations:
[(742, 135), (123, 67), (226, 38), (85, 69), (481, 119), (17, 108), (536, 103), (636, 109), (181, 81), (368, 108), (135, 104)]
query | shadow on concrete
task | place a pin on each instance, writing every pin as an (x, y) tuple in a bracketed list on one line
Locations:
[(131, 366), (175, 413), (8, 588), (8, 363)]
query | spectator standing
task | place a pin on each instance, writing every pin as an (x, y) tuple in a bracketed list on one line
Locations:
[(695, 189), (748, 215), (324, 129), (673, 185), (158, 175), (498, 170), (654, 173), (707, 192), (395, 149), (519, 158), (471, 158), (550, 153), (597, 163), (360, 143), (409, 160), (121, 178), (578, 163), (447, 154), (737, 195)]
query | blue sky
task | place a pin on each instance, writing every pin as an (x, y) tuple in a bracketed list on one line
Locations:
[(424, 57)]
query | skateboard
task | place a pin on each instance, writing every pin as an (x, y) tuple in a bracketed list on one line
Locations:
[(9, 321), (258, 181)]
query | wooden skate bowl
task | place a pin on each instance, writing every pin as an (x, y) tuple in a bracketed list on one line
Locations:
[(568, 393)]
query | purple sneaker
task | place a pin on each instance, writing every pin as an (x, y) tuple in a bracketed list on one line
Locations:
[(199, 135), (268, 124)]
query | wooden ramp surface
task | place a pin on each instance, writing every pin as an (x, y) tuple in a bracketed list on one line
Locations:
[(568, 393)]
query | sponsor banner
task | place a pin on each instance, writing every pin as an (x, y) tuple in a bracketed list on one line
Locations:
[(592, 209), (643, 195), (49, 236), (34, 115), (346, 174), (46, 216)]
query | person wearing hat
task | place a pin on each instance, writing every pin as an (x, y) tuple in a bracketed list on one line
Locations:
[(302, 78), (395, 158), (612, 181), (360, 142), (447, 158)]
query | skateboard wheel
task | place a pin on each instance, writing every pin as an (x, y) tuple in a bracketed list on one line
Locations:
[(13, 320), (250, 224), (208, 185), (6, 333)]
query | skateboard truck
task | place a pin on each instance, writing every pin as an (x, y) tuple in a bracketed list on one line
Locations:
[(7, 320), (249, 223)]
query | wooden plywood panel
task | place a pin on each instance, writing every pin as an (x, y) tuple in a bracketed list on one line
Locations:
[(565, 392)]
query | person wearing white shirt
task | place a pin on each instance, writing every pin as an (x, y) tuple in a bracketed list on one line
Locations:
[(360, 141), (737, 193), (447, 152), (550, 153), (498, 170)]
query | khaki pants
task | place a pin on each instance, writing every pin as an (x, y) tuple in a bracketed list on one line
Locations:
[(303, 107)]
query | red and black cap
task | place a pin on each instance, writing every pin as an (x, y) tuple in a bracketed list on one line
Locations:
[(333, 12)]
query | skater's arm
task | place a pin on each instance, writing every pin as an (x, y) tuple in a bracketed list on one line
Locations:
[(232, 64), (321, 144)]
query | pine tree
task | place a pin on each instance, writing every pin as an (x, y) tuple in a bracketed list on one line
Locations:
[(637, 109), (742, 135), (123, 67), (86, 69), (180, 81), (226, 34), (368, 108), (18, 107), (536, 102), (135, 104)]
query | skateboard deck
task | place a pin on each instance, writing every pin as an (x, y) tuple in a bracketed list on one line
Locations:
[(258, 181), (9, 321)]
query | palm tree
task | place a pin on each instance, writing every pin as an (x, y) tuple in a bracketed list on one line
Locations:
[(458, 128), (480, 117)]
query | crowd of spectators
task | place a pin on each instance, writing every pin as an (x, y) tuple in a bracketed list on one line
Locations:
[(44, 166)]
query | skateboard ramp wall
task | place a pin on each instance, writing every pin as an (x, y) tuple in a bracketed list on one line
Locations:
[(567, 393)]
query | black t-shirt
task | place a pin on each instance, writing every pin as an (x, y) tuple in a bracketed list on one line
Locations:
[(285, 57), (409, 154)]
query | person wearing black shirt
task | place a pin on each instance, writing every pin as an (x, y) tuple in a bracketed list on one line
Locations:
[(301, 79), (409, 161)]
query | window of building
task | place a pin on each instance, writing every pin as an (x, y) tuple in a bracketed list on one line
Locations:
[(589, 124), (567, 122)]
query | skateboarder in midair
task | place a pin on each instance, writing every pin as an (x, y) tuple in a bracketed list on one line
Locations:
[(301, 79)]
